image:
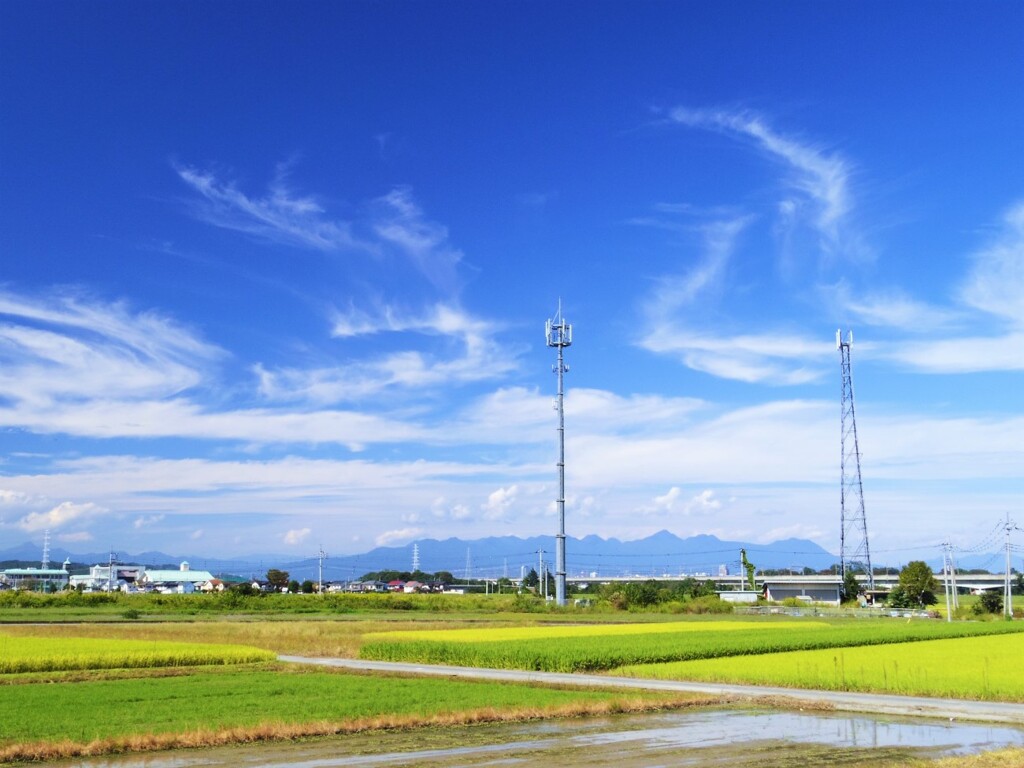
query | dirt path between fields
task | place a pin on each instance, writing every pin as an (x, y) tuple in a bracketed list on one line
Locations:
[(948, 709)]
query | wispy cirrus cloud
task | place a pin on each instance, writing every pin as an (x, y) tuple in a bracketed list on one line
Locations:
[(76, 365), (820, 180), (401, 223), (893, 308), (392, 224), (768, 358), (993, 290), (708, 275), (779, 358), (995, 284), (280, 215), (467, 350), (67, 348)]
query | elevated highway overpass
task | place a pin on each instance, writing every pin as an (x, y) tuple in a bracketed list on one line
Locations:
[(967, 582)]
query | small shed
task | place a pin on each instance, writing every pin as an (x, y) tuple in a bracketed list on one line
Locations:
[(824, 590)]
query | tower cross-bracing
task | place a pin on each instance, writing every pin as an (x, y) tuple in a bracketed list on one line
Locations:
[(559, 335), (853, 527)]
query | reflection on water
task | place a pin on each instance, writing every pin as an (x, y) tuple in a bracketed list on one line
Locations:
[(706, 738)]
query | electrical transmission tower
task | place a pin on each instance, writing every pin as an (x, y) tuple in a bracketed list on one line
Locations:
[(853, 526), (415, 558), (559, 335)]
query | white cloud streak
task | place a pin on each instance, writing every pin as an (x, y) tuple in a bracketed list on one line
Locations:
[(393, 223), (63, 514), (996, 283), (279, 216), (822, 179), (66, 348), (477, 356)]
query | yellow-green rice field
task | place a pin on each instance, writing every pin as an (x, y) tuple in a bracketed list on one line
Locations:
[(985, 668), (43, 654)]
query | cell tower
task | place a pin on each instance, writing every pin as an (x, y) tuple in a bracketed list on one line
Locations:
[(46, 549), (559, 335), (415, 557), (853, 526)]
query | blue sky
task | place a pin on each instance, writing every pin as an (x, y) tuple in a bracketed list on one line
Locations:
[(275, 275)]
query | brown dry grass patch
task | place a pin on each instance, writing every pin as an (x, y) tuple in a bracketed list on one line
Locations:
[(322, 637)]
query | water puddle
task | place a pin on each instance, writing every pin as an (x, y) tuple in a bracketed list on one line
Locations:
[(737, 739)]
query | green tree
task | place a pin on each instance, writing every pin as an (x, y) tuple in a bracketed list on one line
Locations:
[(307, 587), (293, 586), (641, 594), (531, 579), (989, 602), (898, 598), (277, 579), (850, 586), (919, 584)]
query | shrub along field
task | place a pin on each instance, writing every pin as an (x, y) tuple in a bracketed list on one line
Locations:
[(596, 648), (987, 668)]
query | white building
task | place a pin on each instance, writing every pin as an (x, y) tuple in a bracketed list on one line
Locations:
[(183, 581)]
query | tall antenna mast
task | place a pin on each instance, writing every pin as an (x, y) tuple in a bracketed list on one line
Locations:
[(46, 549), (559, 335), (415, 557), (853, 527)]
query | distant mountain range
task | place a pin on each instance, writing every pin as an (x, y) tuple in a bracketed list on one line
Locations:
[(662, 553), (659, 554)]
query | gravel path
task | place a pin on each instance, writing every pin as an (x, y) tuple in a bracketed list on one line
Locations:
[(948, 709)]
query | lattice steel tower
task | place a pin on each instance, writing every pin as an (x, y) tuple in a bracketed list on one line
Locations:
[(853, 533), (559, 335)]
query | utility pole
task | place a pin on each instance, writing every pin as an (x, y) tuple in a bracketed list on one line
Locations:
[(542, 572), (949, 579), (1007, 589), (852, 522), (320, 579), (559, 335)]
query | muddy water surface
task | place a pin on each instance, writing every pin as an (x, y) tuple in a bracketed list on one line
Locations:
[(738, 739)]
